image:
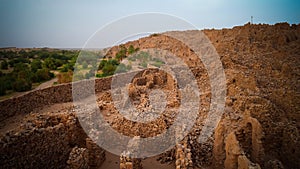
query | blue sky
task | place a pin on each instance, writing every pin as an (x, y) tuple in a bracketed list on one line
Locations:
[(69, 23)]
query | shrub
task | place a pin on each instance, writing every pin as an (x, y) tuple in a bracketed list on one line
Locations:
[(90, 74), (2, 87), (4, 64), (43, 75), (131, 50), (143, 64), (102, 64), (52, 63), (113, 62), (158, 63), (35, 65), (109, 69), (121, 68), (21, 85), (18, 67), (8, 80), (67, 67), (121, 53), (84, 65)]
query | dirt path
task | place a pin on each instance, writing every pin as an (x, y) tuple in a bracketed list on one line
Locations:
[(45, 84)]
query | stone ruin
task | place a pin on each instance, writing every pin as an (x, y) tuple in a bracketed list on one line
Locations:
[(259, 127)]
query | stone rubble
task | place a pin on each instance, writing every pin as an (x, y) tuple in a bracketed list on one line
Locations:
[(126, 162), (259, 127), (78, 159), (183, 156)]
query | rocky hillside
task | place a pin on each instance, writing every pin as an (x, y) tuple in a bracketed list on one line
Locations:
[(261, 64), (259, 128)]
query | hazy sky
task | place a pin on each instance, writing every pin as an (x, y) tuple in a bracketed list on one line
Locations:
[(69, 23)]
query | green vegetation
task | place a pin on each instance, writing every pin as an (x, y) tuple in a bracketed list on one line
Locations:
[(35, 65), (157, 62), (108, 67), (4, 65), (43, 75), (121, 54), (131, 50), (144, 58), (22, 69), (123, 68)]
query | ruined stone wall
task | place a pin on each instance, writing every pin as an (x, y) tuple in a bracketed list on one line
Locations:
[(27, 102), (45, 141), (56, 94), (260, 125), (261, 64), (50, 140)]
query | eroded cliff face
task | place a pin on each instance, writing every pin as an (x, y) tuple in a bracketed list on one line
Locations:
[(260, 124)]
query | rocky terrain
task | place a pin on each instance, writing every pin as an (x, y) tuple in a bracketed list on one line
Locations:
[(258, 129)]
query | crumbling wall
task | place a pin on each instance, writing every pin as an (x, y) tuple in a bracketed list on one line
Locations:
[(261, 67), (183, 156), (78, 159), (219, 146), (233, 151), (245, 163), (48, 96), (260, 121), (45, 141), (235, 156), (127, 162), (244, 147), (96, 155), (92, 156)]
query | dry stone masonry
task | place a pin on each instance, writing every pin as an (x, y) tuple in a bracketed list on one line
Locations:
[(127, 162), (259, 127), (183, 156)]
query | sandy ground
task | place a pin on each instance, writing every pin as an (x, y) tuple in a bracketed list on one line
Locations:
[(15, 121), (113, 162)]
